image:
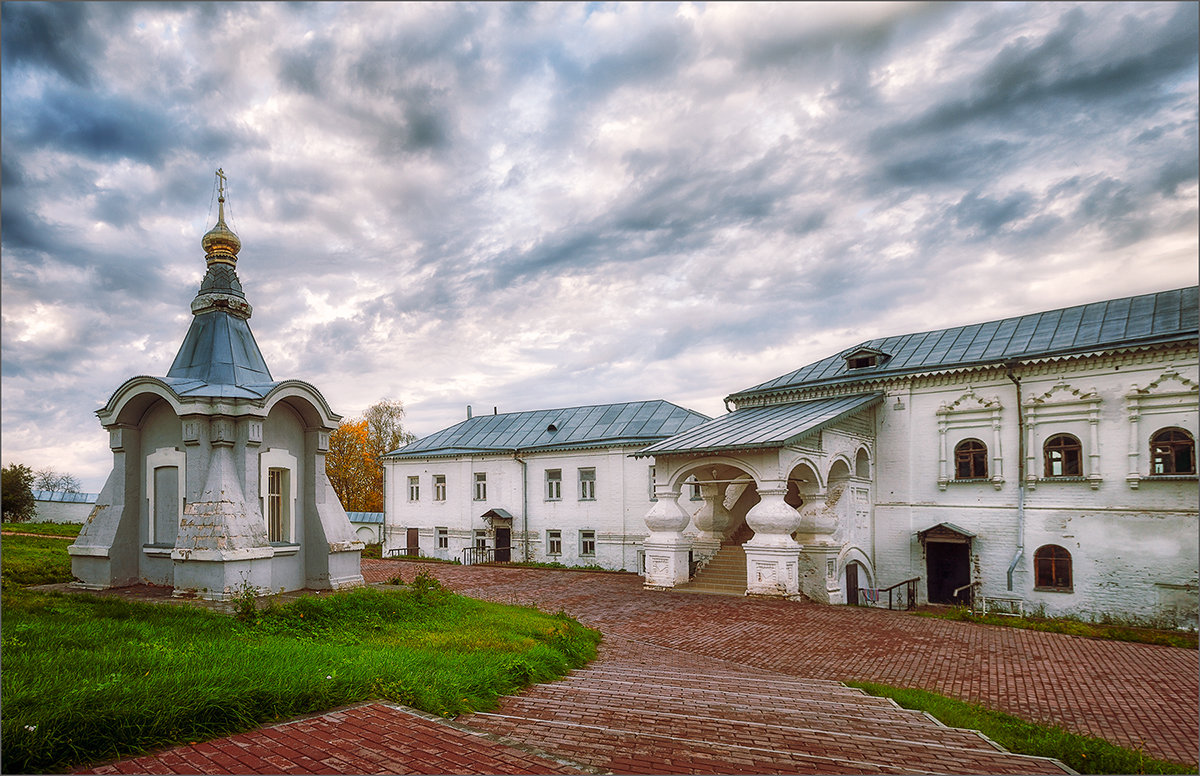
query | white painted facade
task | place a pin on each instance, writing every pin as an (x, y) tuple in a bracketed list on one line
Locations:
[(603, 527)]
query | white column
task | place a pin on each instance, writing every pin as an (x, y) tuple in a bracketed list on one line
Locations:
[(666, 548), (772, 555), (1135, 415), (711, 521)]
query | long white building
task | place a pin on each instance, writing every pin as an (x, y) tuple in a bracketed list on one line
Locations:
[(1044, 462)]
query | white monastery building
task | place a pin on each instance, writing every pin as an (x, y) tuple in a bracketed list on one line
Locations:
[(1045, 462)]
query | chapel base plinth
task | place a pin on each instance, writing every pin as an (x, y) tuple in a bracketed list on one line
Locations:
[(666, 562), (772, 570)]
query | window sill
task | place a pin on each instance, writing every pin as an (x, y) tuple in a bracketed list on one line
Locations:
[(1054, 590), (158, 550), (995, 482), (284, 548), (1094, 482), (587, 499)]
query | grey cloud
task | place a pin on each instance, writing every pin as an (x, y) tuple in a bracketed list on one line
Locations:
[(84, 123), (969, 159), (985, 215), (52, 35)]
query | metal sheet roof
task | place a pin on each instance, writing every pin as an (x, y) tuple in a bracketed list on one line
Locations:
[(1147, 319), (365, 517), (629, 423), (64, 497), (219, 349), (756, 427)]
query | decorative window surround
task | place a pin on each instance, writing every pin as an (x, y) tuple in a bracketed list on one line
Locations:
[(1170, 393), (1059, 410), (277, 458), (969, 411), (164, 457)]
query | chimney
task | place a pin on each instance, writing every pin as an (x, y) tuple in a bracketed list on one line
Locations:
[(468, 412), (495, 410)]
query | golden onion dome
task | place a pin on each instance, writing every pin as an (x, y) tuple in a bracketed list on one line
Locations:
[(220, 242)]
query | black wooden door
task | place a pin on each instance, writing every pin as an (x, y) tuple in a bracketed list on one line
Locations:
[(948, 565), (414, 539), (503, 539), (852, 584)]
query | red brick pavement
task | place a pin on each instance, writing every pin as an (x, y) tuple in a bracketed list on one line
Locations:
[(1136, 695), (367, 738)]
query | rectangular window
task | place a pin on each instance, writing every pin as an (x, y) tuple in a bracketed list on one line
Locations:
[(652, 496), (554, 542), (276, 517), (480, 539), (553, 484), (694, 489), (480, 486), (439, 487), (587, 484), (414, 488), (443, 539), (587, 542)]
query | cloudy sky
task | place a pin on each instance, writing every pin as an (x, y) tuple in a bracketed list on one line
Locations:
[(528, 206)]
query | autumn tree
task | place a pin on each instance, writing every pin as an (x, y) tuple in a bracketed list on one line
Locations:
[(48, 479), (354, 463)]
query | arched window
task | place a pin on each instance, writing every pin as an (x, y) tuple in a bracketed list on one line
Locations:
[(1052, 567), (1064, 456), (970, 460), (1172, 451)]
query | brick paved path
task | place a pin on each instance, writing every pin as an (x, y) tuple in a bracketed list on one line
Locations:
[(1136, 695), (689, 683)]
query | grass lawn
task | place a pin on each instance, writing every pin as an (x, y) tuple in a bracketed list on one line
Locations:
[(1095, 630), (89, 678), (1082, 753), (50, 529)]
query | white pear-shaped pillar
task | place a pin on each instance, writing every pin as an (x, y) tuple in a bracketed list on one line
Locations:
[(772, 555), (711, 522), (666, 548)]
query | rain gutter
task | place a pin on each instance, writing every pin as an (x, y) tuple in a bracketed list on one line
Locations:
[(1008, 370)]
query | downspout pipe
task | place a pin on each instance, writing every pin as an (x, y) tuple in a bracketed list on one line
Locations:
[(524, 505), (1008, 368)]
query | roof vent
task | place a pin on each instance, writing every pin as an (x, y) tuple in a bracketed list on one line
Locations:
[(552, 428), (863, 358)]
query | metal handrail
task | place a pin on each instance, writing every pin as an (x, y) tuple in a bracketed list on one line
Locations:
[(910, 592), (970, 598), (476, 554), (411, 552)]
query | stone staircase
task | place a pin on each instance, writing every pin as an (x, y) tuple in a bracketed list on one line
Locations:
[(724, 574), (677, 713)]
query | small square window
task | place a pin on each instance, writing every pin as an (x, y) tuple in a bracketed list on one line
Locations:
[(553, 484), (587, 543), (443, 539), (480, 486), (414, 488), (554, 542), (587, 484), (439, 487)]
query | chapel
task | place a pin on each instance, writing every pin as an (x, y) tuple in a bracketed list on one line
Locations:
[(218, 483)]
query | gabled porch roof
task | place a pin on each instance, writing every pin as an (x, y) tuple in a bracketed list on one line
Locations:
[(776, 425)]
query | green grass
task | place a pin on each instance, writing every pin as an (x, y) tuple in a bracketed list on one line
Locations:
[(50, 529), (1115, 632), (1082, 753), (90, 678), (33, 560)]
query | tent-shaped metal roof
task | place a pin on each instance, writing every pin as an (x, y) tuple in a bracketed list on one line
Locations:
[(776, 425), (631, 423), (1148, 319)]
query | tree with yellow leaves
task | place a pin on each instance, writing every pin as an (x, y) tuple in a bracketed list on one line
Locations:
[(354, 462)]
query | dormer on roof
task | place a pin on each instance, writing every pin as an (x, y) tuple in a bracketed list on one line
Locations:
[(865, 358)]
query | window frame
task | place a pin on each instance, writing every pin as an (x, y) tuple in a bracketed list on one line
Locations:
[(553, 485), (480, 491), (439, 487), (976, 457), (587, 484), (1171, 454), (441, 537), (694, 492), (553, 542), (653, 475), (587, 536), (414, 488), (1062, 444), (1050, 579)]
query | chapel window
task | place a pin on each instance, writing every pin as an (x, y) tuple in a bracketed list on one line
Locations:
[(1052, 567), (970, 460), (1064, 456), (1172, 451), (276, 505)]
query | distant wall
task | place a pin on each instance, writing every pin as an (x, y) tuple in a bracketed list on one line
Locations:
[(50, 507)]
